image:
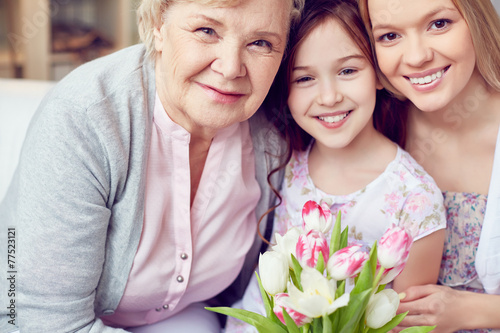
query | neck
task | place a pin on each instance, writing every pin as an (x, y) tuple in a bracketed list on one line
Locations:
[(345, 170), (367, 144)]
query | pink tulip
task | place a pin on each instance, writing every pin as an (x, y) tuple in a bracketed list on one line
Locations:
[(394, 247), (347, 262), (316, 217), (391, 273), (309, 246), (280, 304)]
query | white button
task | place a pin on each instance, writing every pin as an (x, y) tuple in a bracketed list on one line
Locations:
[(180, 279), (165, 307), (184, 256), (158, 309)]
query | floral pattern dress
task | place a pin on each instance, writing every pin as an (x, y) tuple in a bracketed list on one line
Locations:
[(403, 194), (465, 215)]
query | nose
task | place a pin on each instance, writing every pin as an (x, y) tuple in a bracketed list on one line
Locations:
[(229, 62), (329, 94), (416, 52)]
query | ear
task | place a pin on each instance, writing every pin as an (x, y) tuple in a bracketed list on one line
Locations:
[(158, 38)]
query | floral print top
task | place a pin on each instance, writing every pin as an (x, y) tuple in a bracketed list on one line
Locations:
[(464, 214), (403, 194)]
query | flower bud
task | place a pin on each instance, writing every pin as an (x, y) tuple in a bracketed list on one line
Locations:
[(309, 247), (280, 304), (287, 243), (316, 217), (347, 262), (273, 271), (381, 308), (394, 247)]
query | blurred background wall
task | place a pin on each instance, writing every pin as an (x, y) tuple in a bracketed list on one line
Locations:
[(46, 39)]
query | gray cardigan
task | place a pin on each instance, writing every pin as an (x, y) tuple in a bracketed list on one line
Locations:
[(77, 197)]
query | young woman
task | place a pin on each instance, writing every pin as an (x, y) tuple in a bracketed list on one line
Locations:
[(444, 56), (337, 156)]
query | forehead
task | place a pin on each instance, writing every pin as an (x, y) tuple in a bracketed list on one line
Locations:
[(266, 15), (326, 40), (389, 11)]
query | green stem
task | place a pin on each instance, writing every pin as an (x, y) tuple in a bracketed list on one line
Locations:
[(378, 278)]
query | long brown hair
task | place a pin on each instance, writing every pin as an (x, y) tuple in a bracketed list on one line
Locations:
[(388, 110)]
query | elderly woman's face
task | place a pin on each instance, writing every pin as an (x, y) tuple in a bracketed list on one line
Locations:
[(215, 64)]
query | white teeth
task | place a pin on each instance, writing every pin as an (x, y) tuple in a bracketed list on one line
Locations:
[(334, 119), (426, 79)]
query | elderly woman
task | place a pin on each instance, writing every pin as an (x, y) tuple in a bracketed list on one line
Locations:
[(136, 195)]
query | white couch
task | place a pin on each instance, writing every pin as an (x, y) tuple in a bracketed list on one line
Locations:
[(19, 98)]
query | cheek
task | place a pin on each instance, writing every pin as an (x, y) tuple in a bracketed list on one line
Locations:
[(296, 102), (385, 59)]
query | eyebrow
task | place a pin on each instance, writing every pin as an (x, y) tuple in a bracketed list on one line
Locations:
[(426, 17), (340, 60), (218, 23)]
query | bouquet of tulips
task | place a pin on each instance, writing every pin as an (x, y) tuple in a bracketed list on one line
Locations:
[(303, 280)]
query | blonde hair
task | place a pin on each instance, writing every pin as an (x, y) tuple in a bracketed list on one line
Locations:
[(150, 15), (484, 26)]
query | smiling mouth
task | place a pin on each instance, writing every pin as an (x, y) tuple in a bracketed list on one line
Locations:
[(334, 119), (428, 78)]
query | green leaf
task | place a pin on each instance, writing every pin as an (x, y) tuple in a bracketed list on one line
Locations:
[(335, 239), (340, 288), (298, 270), (327, 325), (290, 324), (261, 323), (418, 329), (265, 298), (367, 275), (343, 237), (390, 325), (320, 264), (335, 319), (317, 325), (351, 314)]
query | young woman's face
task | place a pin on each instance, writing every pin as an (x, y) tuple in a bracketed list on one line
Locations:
[(332, 87), (215, 65), (424, 48)]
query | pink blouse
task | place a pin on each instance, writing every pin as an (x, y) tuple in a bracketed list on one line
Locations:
[(189, 255)]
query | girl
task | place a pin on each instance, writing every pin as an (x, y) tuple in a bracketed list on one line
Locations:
[(337, 156), (444, 56)]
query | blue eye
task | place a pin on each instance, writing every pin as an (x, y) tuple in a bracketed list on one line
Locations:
[(208, 31)]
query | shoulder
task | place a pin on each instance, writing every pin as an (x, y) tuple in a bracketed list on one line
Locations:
[(107, 78), (413, 173)]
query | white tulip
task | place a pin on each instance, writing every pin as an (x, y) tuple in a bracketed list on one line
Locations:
[(273, 271), (318, 297), (287, 243), (381, 308)]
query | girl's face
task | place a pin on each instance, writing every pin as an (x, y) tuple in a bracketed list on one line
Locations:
[(424, 48), (332, 87)]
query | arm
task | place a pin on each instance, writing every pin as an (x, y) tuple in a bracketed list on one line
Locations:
[(61, 210), (449, 309), (423, 216), (423, 263)]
